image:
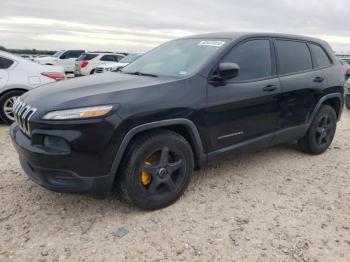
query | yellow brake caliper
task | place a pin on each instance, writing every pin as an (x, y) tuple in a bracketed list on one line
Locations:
[(146, 177)]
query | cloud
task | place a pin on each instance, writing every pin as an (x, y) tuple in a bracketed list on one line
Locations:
[(137, 25)]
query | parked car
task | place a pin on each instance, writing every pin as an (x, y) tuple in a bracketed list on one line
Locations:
[(345, 68), (64, 58), (117, 66), (29, 57), (18, 75), (181, 106), (347, 93), (86, 63)]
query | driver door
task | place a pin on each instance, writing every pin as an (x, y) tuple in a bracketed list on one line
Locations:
[(245, 110)]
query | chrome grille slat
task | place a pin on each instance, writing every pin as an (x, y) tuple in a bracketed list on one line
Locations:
[(23, 113)]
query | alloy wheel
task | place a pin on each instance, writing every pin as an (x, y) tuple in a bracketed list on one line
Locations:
[(162, 172), (8, 107), (324, 130)]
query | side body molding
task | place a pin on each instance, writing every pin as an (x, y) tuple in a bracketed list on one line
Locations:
[(198, 146)]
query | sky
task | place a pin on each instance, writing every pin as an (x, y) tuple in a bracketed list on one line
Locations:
[(139, 25)]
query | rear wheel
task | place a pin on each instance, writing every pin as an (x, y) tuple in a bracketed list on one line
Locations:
[(321, 132), (6, 105), (347, 101), (156, 170)]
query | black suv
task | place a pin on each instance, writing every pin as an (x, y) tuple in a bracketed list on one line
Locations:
[(179, 107)]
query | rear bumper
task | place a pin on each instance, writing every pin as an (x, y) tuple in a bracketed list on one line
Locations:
[(48, 169)]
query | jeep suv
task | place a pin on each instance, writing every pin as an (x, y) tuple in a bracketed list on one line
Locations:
[(179, 107)]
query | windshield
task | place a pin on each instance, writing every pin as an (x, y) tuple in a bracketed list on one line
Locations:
[(130, 58), (57, 54), (176, 58)]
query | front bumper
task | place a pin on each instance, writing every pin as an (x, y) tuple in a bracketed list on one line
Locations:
[(47, 168)]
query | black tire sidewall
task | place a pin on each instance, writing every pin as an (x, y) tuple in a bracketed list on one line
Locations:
[(312, 143), (347, 101), (5, 97), (132, 179)]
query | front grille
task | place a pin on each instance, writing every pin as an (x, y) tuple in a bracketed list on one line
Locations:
[(23, 113), (99, 70)]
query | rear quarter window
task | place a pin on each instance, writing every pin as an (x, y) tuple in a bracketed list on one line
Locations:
[(86, 57), (293, 56), (321, 58), (5, 63)]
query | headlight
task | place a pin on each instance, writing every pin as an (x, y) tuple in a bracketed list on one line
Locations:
[(78, 113)]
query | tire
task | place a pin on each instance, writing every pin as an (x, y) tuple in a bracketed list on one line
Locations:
[(92, 72), (6, 101), (166, 160), (321, 132), (347, 101)]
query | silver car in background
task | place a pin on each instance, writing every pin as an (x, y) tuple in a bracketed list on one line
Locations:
[(19, 75)]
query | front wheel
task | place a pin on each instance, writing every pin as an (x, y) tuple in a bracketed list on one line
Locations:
[(321, 132), (156, 170), (6, 105)]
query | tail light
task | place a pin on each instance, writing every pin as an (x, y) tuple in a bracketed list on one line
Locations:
[(84, 63), (56, 76)]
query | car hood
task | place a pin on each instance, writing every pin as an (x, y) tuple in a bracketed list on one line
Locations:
[(100, 89)]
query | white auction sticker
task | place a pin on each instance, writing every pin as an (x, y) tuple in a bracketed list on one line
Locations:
[(212, 43)]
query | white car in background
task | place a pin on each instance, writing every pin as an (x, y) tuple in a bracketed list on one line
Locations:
[(86, 63), (64, 58), (117, 66), (19, 75)]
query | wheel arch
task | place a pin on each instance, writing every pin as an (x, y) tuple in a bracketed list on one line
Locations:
[(14, 88), (184, 127), (335, 100)]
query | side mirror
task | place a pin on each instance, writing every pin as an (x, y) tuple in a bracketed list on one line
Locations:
[(63, 56), (227, 71)]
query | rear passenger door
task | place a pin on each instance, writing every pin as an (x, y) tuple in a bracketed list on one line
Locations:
[(301, 81)]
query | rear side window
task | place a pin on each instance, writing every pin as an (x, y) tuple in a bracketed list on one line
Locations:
[(293, 57), (73, 54), (117, 58), (86, 57), (5, 63), (108, 58), (253, 58), (320, 56)]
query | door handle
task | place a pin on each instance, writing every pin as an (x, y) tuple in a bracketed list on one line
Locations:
[(318, 79), (270, 88)]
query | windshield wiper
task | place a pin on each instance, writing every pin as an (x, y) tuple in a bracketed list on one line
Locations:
[(141, 74)]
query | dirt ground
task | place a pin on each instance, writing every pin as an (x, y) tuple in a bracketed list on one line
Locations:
[(274, 205)]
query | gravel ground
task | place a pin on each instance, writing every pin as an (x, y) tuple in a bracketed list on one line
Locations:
[(274, 205)]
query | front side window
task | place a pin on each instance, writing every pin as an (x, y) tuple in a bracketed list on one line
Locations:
[(253, 58), (58, 53), (177, 58), (320, 56), (293, 57), (5, 63)]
